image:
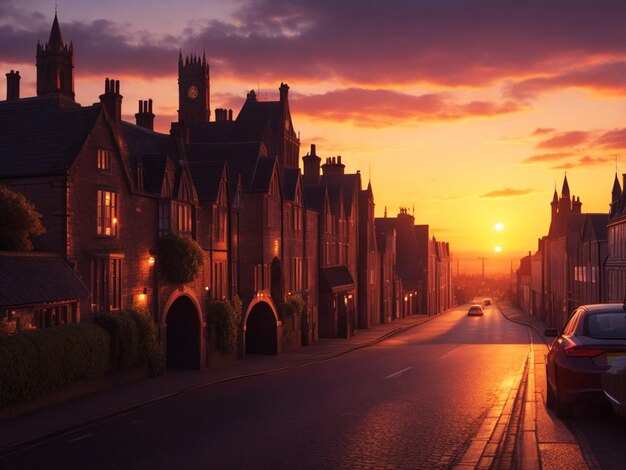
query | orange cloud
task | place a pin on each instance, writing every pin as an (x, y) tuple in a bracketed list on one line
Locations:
[(542, 131), (565, 139), (584, 161), (384, 108), (545, 157), (507, 192), (615, 139)]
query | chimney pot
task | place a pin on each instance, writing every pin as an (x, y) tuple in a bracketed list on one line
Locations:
[(13, 85)]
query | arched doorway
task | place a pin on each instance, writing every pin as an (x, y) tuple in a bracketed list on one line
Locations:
[(261, 330), (183, 335)]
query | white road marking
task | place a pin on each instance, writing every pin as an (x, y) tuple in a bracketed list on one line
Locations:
[(449, 352), (79, 438), (395, 375)]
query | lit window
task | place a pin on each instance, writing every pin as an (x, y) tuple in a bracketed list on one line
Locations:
[(104, 159), (107, 213), (106, 283)]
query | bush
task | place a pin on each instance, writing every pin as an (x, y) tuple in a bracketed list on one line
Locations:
[(34, 363), (180, 258), (293, 306), (124, 344), (38, 362), (133, 340), (226, 315)]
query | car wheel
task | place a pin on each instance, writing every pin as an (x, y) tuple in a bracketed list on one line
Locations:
[(562, 408), (550, 399)]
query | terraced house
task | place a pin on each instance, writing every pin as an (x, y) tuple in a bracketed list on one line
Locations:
[(299, 250)]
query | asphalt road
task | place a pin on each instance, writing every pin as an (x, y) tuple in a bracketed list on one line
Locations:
[(412, 401)]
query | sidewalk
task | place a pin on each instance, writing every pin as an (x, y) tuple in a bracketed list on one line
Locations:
[(24, 430), (544, 441)]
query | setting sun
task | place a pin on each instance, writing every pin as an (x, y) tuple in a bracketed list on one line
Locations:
[(499, 226), (497, 249)]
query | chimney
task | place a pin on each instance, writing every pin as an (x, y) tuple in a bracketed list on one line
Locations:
[(145, 116), (251, 95), (13, 85), (333, 167), (311, 164), (284, 92), (112, 100), (230, 114)]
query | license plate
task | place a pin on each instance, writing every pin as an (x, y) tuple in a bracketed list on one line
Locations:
[(611, 356)]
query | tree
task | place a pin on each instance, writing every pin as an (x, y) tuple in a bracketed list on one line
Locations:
[(18, 221), (180, 258)]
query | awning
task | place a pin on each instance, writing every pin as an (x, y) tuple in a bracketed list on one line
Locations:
[(338, 278)]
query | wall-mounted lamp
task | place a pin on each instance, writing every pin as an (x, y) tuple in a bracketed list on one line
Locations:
[(114, 220), (206, 288), (406, 298), (151, 261)]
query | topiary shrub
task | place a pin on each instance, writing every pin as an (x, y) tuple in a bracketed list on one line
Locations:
[(180, 258), (124, 343), (226, 316)]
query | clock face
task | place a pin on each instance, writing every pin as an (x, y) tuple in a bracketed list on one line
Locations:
[(192, 92)]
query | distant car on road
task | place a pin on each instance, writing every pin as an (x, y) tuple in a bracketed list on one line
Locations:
[(475, 310), (593, 337), (487, 302)]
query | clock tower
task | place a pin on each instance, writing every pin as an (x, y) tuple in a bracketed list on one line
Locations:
[(193, 89)]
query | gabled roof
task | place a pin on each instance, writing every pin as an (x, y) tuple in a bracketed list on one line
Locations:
[(43, 135), (240, 157), (350, 185), (315, 196), (594, 227), (263, 174), (335, 197), (152, 149), (207, 177), (291, 176), (253, 120), (32, 278)]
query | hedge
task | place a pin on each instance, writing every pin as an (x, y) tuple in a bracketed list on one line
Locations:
[(34, 363)]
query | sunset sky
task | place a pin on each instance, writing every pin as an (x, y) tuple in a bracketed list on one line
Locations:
[(469, 111)]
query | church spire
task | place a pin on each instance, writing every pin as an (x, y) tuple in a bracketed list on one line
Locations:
[(565, 189), (55, 65), (56, 39)]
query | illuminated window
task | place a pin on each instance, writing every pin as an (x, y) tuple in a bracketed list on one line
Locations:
[(104, 159), (181, 219), (107, 213), (106, 283)]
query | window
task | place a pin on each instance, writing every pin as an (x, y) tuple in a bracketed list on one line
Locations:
[(219, 281), (106, 283), (55, 315), (107, 213), (220, 218), (164, 218), (104, 159), (181, 219)]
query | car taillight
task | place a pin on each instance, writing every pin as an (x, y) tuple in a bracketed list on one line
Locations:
[(582, 351)]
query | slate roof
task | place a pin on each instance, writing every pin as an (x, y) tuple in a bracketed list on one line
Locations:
[(348, 183), (290, 183), (315, 197), (253, 118), (242, 159), (151, 149), (32, 278), (42, 135), (207, 176), (595, 226)]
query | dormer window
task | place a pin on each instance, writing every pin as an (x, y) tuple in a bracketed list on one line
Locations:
[(104, 159)]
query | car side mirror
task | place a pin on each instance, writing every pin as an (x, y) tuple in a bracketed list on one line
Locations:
[(551, 332)]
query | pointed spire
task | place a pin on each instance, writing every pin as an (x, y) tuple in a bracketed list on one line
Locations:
[(617, 189), (56, 39), (565, 190)]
